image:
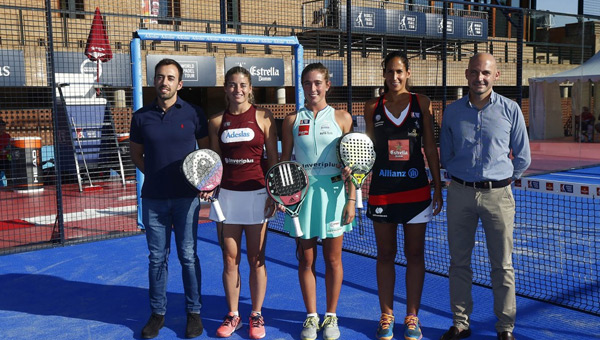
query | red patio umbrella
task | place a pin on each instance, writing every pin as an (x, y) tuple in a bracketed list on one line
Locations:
[(98, 48)]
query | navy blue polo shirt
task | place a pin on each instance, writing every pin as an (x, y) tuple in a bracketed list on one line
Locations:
[(167, 138)]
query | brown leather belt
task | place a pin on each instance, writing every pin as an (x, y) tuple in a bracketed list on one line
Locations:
[(485, 184)]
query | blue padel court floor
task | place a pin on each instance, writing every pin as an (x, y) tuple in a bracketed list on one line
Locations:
[(590, 175), (99, 291)]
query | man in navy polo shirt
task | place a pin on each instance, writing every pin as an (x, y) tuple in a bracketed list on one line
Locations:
[(161, 135)]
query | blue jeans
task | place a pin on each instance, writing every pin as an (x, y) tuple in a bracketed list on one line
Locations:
[(160, 216)]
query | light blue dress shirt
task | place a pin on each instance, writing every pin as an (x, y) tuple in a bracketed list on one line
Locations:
[(476, 145)]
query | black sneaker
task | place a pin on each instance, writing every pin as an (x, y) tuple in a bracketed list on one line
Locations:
[(154, 324), (194, 326)]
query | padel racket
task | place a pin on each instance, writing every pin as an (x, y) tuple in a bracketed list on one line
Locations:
[(355, 150), (287, 184), (203, 169)]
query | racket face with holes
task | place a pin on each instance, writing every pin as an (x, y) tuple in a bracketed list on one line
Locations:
[(203, 169), (287, 184), (355, 150)]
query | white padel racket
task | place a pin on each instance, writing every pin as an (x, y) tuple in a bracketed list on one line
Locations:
[(355, 150), (203, 169)]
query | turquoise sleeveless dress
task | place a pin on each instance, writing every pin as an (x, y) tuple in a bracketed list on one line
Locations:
[(315, 142)]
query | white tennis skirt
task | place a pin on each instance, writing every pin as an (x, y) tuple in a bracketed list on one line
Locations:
[(241, 207)]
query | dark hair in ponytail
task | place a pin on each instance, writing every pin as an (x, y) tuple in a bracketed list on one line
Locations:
[(388, 58)]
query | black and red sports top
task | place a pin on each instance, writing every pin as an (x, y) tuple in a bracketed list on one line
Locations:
[(399, 174)]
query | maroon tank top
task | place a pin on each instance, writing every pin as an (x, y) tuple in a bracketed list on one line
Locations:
[(242, 147)]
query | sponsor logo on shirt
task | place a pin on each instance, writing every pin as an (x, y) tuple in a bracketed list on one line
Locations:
[(413, 173), (325, 130), (415, 114), (391, 173), (334, 227), (238, 161), (303, 130), (379, 212), (305, 122), (237, 135), (413, 133), (398, 150)]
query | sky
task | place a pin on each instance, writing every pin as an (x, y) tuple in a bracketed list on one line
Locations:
[(560, 6)]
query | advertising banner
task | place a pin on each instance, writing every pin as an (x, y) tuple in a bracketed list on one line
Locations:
[(12, 68), (265, 71), (197, 71)]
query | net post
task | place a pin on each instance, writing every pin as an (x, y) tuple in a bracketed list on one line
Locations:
[(299, 60), (136, 78)]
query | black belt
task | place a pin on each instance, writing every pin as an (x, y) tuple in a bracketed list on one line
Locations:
[(484, 185)]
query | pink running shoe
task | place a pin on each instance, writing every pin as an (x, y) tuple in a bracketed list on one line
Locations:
[(257, 326), (230, 324)]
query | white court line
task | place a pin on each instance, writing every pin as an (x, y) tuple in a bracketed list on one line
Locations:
[(130, 197), (84, 215)]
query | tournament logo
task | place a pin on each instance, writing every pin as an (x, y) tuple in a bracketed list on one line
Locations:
[(533, 185), (549, 186), (585, 190), (237, 135), (568, 188), (518, 183)]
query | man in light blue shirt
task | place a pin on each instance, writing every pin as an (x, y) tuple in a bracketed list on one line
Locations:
[(483, 146)]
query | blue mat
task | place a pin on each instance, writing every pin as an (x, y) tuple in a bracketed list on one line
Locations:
[(99, 291)]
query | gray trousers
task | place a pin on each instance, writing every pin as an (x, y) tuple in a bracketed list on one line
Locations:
[(496, 209)]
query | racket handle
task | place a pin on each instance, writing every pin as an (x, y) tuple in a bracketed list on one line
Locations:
[(218, 211), (359, 201), (296, 221)]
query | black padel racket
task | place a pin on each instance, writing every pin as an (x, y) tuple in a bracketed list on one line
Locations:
[(355, 150), (203, 169), (287, 184)]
